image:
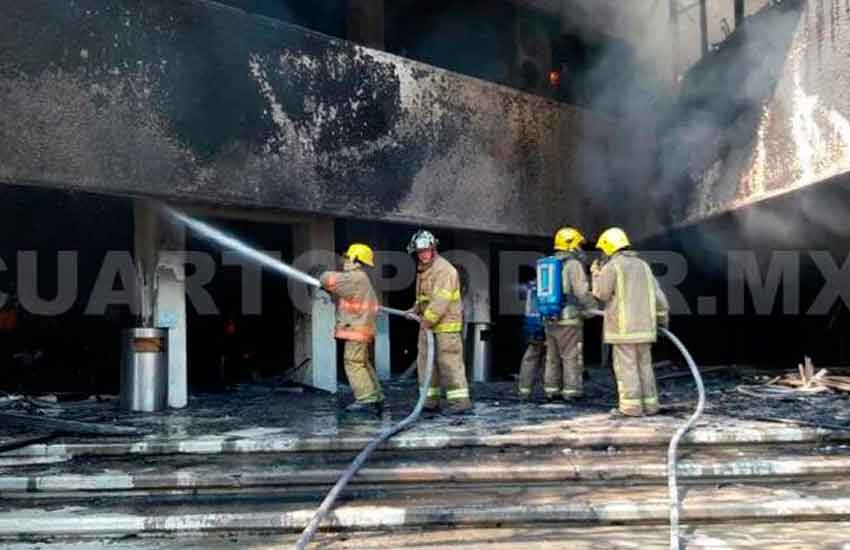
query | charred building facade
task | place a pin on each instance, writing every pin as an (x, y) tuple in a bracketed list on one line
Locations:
[(177, 178), (304, 127)]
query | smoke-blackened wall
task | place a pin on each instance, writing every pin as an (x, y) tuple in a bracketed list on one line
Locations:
[(766, 114), (192, 101)]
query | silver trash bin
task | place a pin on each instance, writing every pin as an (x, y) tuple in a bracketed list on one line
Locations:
[(144, 369), (481, 351)]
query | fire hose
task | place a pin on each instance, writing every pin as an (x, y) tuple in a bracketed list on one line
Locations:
[(675, 504), (672, 450), (358, 462), (288, 271)]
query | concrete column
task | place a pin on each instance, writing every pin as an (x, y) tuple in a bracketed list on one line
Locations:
[(315, 347), (365, 23), (383, 362), (472, 253), (170, 309), (159, 247)]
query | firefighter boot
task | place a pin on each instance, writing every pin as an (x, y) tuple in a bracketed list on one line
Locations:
[(376, 408), (459, 407)]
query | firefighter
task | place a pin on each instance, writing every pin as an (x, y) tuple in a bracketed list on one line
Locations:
[(635, 306), (535, 351), (357, 307), (440, 308), (564, 372)]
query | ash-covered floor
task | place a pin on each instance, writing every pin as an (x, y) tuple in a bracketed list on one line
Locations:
[(257, 417)]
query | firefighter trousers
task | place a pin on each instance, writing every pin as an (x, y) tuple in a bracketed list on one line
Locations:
[(635, 379), (532, 362), (360, 373), (564, 361), (449, 371)]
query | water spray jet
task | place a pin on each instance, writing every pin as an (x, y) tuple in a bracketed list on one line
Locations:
[(222, 238), (218, 236)]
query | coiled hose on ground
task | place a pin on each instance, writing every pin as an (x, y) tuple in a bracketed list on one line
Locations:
[(358, 462)]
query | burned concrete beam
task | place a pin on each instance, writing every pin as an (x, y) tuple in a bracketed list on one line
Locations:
[(190, 101), (767, 114)]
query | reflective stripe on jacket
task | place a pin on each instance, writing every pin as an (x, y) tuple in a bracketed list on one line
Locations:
[(634, 302), (356, 303), (438, 298)]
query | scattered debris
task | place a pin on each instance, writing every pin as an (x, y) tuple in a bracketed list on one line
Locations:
[(810, 381), (45, 404), (289, 389), (65, 426), (49, 398), (19, 443), (803, 383), (9, 399), (688, 373), (768, 391), (103, 397)]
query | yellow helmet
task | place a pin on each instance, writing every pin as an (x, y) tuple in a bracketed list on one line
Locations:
[(612, 240), (361, 253), (568, 238)]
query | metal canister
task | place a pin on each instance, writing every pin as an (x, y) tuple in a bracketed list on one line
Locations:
[(481, 346), (144, 369), (550, 292)]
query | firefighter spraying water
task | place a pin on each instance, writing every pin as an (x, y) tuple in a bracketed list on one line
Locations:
[(349, 288), (357, 307), (561, 296)]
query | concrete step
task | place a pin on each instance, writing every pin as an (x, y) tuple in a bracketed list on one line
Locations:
[(577, 430), (711, 536), (425, 508), (262, 472)]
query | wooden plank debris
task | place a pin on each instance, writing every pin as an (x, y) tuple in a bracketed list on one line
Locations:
[(806, 379)]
